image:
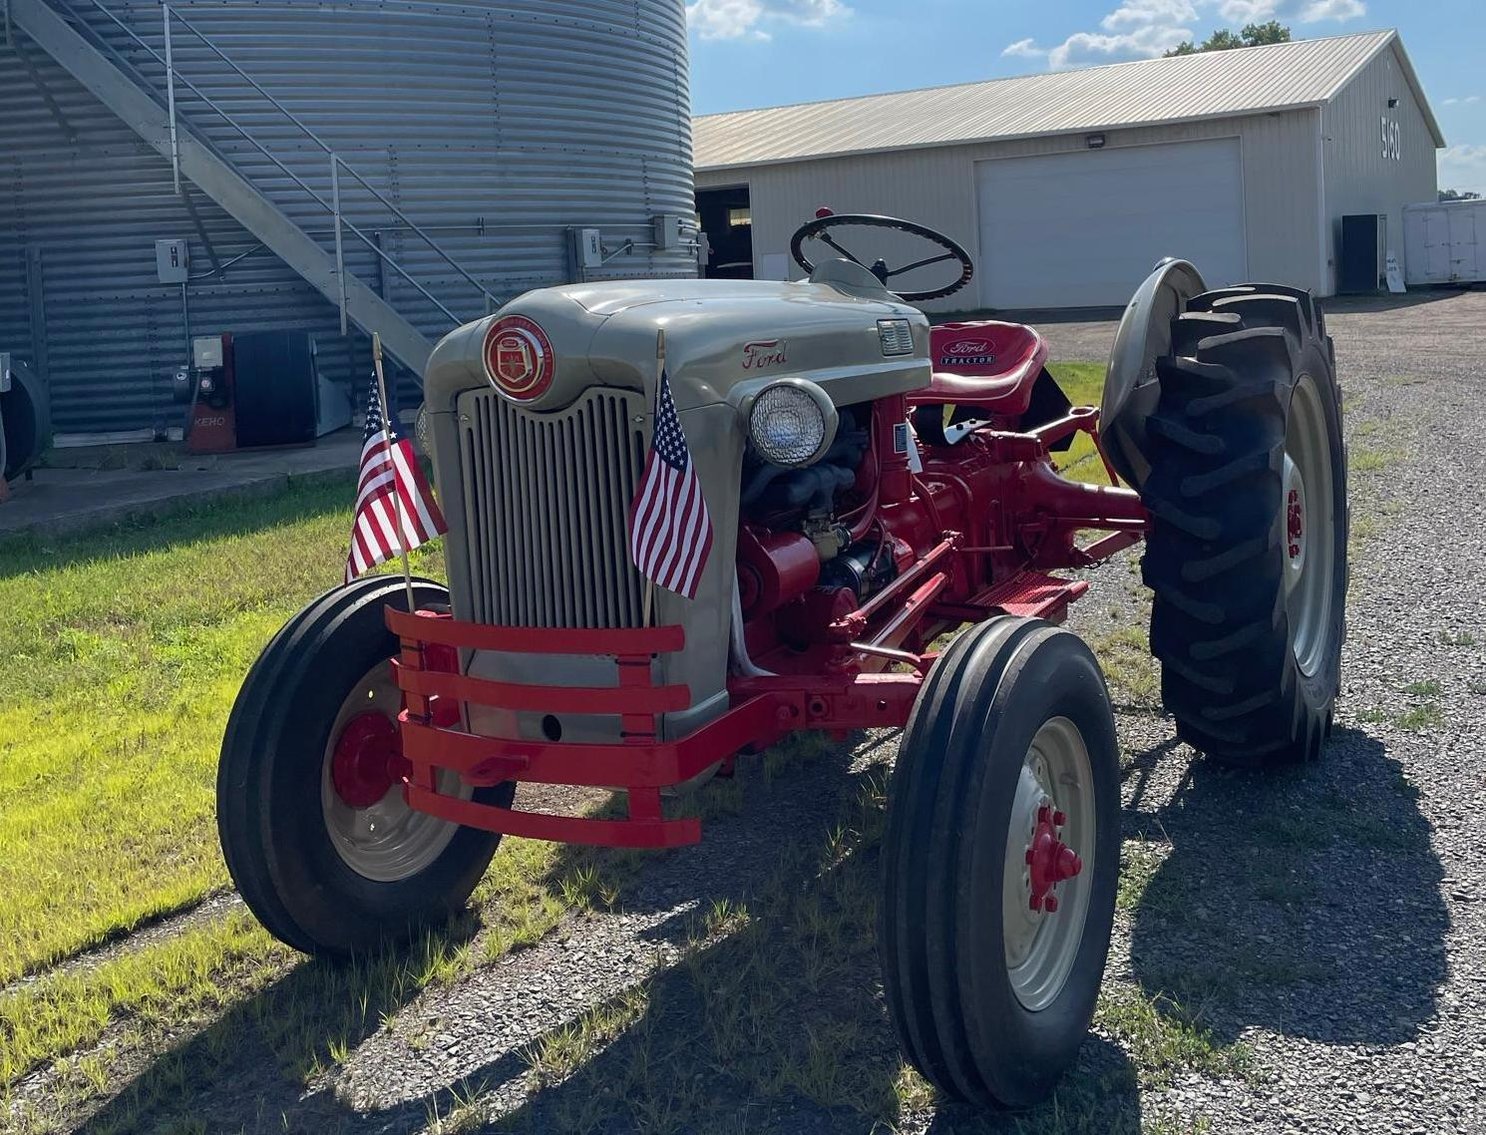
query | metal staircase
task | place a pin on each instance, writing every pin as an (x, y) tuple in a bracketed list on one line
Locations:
[(152, 114)]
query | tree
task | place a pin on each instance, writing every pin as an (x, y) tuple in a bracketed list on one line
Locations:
[(1458, 195), (1253, 35)]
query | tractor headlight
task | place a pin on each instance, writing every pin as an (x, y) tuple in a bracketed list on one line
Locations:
[(792, 422)]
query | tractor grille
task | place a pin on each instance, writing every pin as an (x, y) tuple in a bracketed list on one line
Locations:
[(547, 501)]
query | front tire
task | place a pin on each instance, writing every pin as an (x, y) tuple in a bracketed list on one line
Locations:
[(1012, 733), (1247, 552), (310, 813)]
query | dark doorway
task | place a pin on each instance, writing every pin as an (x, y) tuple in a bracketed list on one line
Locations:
[(727, 219), (1364, 241)]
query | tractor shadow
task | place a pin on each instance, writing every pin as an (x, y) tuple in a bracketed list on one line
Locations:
[(773, 1021), (245, 1071), (1305, 901), (767, 1015)]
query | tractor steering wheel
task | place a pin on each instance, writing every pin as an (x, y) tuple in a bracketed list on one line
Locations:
[(820, 229)]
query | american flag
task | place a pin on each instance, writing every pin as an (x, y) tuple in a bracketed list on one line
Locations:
[(389, 465), (670, 531)]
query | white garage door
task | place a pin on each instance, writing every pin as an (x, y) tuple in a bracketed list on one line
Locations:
[(1083, 229)]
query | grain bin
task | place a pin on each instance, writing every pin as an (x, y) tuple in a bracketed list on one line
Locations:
[(485, 147)]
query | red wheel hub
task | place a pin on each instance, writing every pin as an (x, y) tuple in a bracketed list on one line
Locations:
[(1295, 516), (368, 760), (1050, 860)]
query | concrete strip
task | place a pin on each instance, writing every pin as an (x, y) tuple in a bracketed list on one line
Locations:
[(57, 501)]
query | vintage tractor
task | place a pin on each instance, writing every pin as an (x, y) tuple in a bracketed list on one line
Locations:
[(874, 484)]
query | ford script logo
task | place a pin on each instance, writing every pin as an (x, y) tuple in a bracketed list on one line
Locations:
[(765, 353), (963, 348)]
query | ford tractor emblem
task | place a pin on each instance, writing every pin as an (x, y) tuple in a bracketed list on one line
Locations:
[(519, 358), (963, 347), (968, 352)]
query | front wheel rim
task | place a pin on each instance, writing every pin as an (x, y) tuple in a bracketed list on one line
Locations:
[(1046, 885), (1309, 523), (381, 839)]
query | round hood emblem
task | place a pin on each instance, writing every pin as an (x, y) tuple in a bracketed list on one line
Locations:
[(519, 358)]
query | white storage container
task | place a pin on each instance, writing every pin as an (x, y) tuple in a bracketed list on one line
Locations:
[(1445, 243)]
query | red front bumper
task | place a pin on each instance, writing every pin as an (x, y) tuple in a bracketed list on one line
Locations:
[(763, 711)]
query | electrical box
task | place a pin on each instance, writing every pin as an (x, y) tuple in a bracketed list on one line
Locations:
[(668, 234), (206, 352), (172, 261), (590, 248)]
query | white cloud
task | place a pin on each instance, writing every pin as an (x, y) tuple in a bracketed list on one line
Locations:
[(1305, 11), (724, 19), (1463, 168), (1092, 47), (1025, 49), (1339, 10), (1139, 13), (737, 19), (1469, 100), (1143, 29)]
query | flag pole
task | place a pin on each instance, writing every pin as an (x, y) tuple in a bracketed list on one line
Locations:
[(388, 415), (660, 369)]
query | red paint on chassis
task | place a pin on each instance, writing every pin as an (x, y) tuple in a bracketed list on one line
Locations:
[(947, 543)]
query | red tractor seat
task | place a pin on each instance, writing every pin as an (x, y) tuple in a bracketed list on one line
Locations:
[(989, 365)]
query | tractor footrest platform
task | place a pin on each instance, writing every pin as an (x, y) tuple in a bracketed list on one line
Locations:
[(1030, 594)]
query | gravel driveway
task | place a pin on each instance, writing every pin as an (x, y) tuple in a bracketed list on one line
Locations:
[(1322, 931)]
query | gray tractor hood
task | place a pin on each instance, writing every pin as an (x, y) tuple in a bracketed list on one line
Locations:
[(720, 334)]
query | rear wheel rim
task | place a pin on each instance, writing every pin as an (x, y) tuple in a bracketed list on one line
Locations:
[(1309, 545), (385, 841), (1041, 945)]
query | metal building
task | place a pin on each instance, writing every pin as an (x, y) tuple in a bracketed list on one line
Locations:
[(410, 164), (1067, 186)]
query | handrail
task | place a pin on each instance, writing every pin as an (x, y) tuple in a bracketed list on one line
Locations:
[(337, 163), (368, 186)]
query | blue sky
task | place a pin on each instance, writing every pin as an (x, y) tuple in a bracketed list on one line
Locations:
[(750, 53)]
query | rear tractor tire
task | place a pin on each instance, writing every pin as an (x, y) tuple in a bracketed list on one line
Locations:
[(310, 809), (1247, 551), (1000, 862)]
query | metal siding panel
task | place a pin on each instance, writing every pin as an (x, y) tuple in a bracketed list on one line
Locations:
[(496, 124), (1124, 95), (937, 187), (1359, 179)]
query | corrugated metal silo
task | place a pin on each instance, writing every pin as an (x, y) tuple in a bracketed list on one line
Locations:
[(495, 126)]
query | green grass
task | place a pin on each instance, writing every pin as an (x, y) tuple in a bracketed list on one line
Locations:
[(125, 653), (1421, 717), (1124, 652), (1083, 383)]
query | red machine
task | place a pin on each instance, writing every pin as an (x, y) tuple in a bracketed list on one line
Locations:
[(897, 484)]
